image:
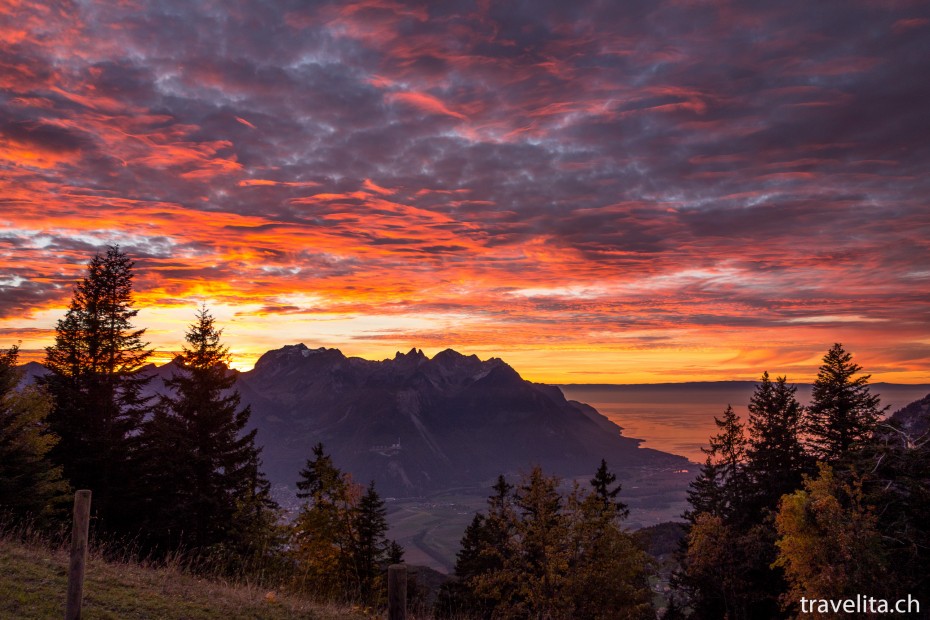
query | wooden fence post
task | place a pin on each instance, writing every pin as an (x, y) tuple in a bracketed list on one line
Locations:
[(397, 592), (79, 528)]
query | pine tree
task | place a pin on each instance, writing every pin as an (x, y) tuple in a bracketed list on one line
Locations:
[(843, 413), (716, 576), (897, 479), (95, 380), (395, 553), (775, 457), (543, 561), (320, 481), (713, 577), (537, 555), (774, 463), (322, 535), (218, 491), (31, 487), (601, 482), (486, 548), (370, 547), (499, 532), (338, 539), (608, 574), (722, 484)]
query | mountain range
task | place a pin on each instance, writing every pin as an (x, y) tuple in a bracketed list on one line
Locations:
[(417, 425)]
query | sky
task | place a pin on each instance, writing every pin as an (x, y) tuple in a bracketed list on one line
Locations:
[(596, 192)]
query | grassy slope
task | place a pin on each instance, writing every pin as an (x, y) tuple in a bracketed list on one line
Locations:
[(33, 583)]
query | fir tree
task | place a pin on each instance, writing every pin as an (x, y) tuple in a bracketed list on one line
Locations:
[(486, 547), (775, 457), (715, 576), (843, 412), (322, 534), (601, 482), (537, 555), (395, 553), (722, 484), (457, 596), (338, 539), (320, 481), (95, 380), (543, 560), (218, 490), (468, 560), (897, 466), (370, 546), (30, 485), (608, 574)]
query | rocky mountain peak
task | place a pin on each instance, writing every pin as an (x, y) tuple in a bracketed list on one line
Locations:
[(292, 353)]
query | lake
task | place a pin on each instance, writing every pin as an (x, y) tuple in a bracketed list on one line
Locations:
[(679, 417)]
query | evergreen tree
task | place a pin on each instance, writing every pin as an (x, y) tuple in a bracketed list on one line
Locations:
[(338, 539), (843, 412), (721, 485), (370, 547), (30, 485), (395, 553), (166, 446), (898, 480), (543, 561), (715, 564), (608, 574), (218, 495), (320, 481), (96, 384), (487, 546), (537, 555), (774, 464), (322, 534), (469, 561), (775, 457), (717, 577), (601, 482)]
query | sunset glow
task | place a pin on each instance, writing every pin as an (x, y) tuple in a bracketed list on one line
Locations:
[(623, 192)]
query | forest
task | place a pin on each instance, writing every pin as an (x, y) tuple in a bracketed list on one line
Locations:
[(824, 502)]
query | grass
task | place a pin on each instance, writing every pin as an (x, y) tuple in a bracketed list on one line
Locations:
[(33, 583)]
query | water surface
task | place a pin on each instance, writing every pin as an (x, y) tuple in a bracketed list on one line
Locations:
[(679, 417)]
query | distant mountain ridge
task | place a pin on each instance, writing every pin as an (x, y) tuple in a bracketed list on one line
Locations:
[(417, 425)]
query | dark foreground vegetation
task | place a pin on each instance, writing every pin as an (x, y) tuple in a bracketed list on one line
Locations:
[(178, 475), (825, 502), (828, 501)]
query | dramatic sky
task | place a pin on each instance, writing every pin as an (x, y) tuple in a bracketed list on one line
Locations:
[(635, 191)]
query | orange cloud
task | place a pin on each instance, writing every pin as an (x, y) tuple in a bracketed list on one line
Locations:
[(424, 102), (603, 205)]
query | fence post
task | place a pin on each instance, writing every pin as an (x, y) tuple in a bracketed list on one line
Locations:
[(397, 592), (79, 528)]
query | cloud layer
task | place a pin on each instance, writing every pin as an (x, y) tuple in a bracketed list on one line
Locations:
[(595, 191)]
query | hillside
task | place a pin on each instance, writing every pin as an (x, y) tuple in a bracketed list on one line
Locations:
[(33, 584), (914, 419)]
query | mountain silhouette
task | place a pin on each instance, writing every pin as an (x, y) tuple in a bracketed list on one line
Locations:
[(416, 425)]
